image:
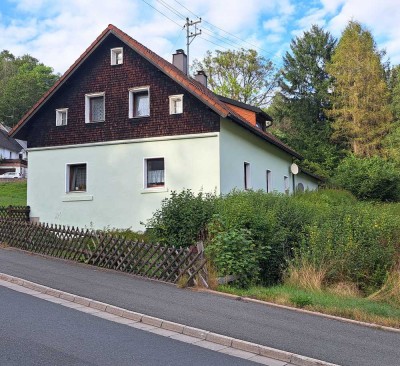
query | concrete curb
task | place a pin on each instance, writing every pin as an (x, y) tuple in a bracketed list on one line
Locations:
[(201, 334), (304, 311)]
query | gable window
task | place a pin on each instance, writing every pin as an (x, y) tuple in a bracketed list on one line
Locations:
[(117, 56), (247, 183), (154, 173), (269, 181), (176, 104), (95, 107), (76, 178), (139, 102), (61, 117)]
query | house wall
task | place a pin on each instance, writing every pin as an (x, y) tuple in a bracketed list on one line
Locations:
[(237, 146), (96, 74), (308, 182), (115, 194), (8, 154)]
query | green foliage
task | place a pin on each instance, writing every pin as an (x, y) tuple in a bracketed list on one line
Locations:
[(23, 80), (255, 235), (369, 178), (299, 109), (360, 100), (301, 300), (241, 75), (233, 252), (181, 218)]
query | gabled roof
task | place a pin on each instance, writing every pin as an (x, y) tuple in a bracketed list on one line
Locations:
[(244, 106), (9, 143), (191, 85)]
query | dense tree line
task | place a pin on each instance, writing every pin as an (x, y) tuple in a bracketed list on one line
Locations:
[(23, 80), (336, 101)]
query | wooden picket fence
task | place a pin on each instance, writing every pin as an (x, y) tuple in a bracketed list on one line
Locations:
[(15, 212), (183, 265)]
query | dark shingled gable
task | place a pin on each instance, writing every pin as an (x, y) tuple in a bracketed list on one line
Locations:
[(92, 72)]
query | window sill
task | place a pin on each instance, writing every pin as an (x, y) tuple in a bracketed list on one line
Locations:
[(138, 117), (77, 196), (154, 190)]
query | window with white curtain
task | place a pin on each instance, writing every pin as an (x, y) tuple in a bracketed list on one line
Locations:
[(76, 178), (155, 173), (139, 102), (95, 108)]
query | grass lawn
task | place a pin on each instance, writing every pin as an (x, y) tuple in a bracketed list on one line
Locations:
[(357, 308), (13, 193)]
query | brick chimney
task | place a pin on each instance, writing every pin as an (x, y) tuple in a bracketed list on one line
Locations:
[(201, 77), (179, 59)]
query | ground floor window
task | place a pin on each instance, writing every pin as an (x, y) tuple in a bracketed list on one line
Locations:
[(76, 174), (155, 173)]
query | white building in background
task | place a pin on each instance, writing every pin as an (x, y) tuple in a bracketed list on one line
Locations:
[(122, 128), (13, 156)]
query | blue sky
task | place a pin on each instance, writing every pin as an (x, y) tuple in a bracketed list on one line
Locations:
[(57, 32)]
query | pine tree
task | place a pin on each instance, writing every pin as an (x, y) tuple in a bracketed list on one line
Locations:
[(360, 99), (299, 109)]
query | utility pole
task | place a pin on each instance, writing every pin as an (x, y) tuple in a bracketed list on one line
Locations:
[(190, 36)]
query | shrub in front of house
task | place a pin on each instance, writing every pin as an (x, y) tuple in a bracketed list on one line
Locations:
[(181, 218), (256, 236)]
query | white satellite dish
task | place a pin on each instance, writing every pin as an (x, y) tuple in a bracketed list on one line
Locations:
[(294, 168)]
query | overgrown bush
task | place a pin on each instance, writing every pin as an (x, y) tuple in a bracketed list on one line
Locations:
[(328, 235), (181, 218), (233, 252), (369, 178)]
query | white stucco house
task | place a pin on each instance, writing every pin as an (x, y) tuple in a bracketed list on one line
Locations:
[(13, 157), (123, 127)]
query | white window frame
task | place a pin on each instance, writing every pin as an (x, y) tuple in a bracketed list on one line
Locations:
[(114, 56), (172, 99), (59, 113), (87, 106), (145, 187), (132, 92), (286, 185), (68, 175), (247, 175), (268, 181)]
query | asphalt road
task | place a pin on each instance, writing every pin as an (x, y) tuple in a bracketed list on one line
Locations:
[(38, 332), (304, 334)]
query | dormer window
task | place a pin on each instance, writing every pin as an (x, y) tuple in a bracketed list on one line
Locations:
[(176, 104), (117, 56)]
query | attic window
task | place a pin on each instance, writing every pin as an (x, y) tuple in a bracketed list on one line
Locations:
[(176, 104), (139, 102), (61, 117), (117, 56), (95, 107)]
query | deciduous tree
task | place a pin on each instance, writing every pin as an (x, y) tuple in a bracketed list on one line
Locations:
[(242, 75)]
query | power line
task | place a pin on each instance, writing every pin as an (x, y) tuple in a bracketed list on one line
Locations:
[(162, 13), (171, 9)]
